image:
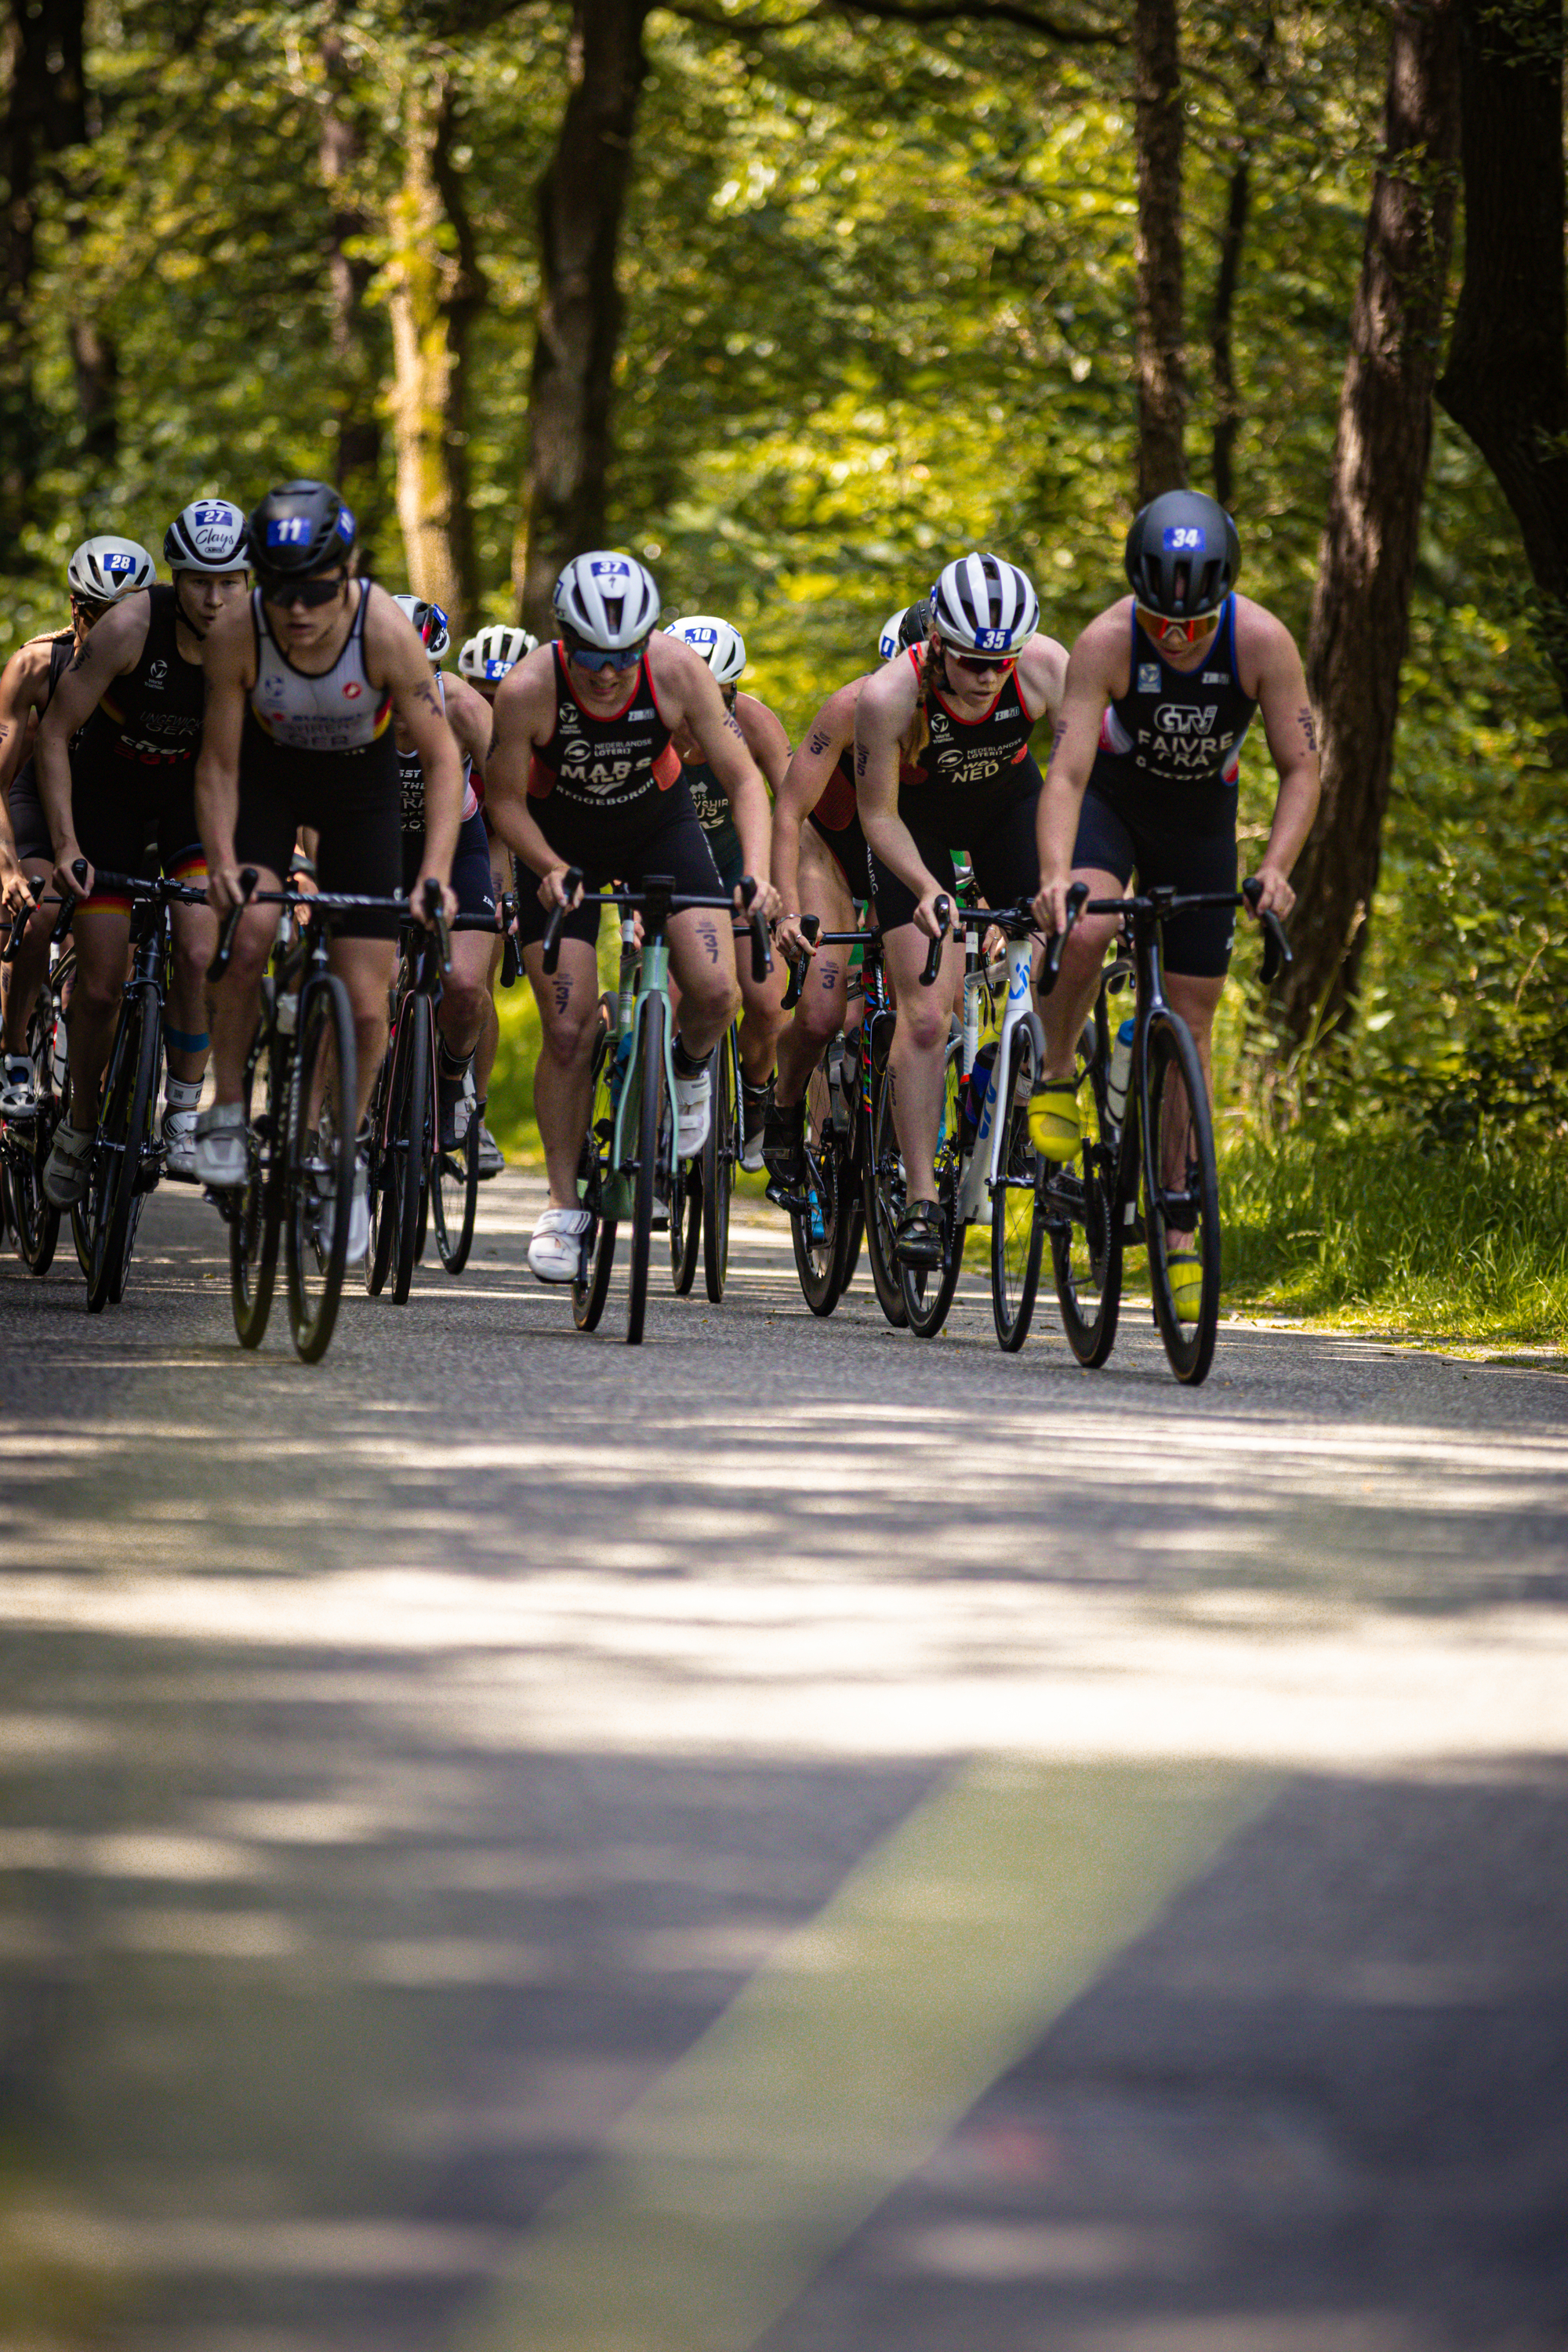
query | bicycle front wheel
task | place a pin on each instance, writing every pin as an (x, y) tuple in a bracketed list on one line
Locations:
[(720, 1153), (124, 1125), (256, 1214), (646, 1075), (34, 1214), (1083, 1218), (929, 1289), (455, 1194), (407, 1138), (588, 1296), (1182, 1199), (1017, 1232), (816, 1228), (882, 1185), (320, 1169)]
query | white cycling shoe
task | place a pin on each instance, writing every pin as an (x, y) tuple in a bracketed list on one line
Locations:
[(693, 1110), (220, 1154), (18, 1086), (180, 1145), (555, 1250)]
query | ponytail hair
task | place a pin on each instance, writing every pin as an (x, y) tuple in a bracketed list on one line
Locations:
[(919, 734)]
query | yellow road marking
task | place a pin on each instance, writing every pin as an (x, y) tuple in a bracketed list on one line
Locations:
[(849, 2059)]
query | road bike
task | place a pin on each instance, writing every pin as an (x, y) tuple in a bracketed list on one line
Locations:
[(1146, 1172), (629, 1153), (26, 1141), (414, 1176), (300, 1090), (826, 1207), (127, 1156)]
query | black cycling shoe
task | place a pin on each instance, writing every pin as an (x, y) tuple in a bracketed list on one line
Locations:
[(919, 1240), (783, 1154)]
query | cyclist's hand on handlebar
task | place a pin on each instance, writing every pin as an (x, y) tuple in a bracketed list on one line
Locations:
[(65, 877), (1051, 903), (417, 900), (552, 890), (791, 939), (765, 901), (15, 891), (1276, 896), (926, 918)]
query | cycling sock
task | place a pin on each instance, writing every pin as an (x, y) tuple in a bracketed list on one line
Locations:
[(685, 1066), (182, 1094), (183, 1042), (451, 1066)]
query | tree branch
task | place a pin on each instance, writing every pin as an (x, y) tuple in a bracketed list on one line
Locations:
[(904, 12)]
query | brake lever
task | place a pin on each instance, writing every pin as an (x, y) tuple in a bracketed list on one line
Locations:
[(1276, 955), (810, 926), (942, 910), (1077, 900), (572, 882), (230, 931)]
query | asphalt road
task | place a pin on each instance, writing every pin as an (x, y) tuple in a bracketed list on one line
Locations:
[(784, 1838)]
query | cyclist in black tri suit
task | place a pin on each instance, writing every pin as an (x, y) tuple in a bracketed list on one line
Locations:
[(723, 649), (941, 759), (116, 764), (821, 867), (304, 682), (582, 752), (483, 663), (101, 573), (1160, 691)]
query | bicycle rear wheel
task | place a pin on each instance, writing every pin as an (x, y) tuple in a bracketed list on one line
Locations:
[(644, 1074), (35, 1217), (816, 1228), (1017, 1233), (928, 1289), (1084, 1221), (383, 1213), (456, 1191), (882, 1192), (408, 1139), (720, 1153), (685, 1224), (124, 1121), (588, 1297), (256, 1214), (1181, 1199), (321, 1167)]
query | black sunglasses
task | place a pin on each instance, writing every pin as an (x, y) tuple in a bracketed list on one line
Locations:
[(309, 592)]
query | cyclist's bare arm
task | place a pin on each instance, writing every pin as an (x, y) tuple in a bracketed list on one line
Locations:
[(1042, 677), (24, 682), (394, 657), (884, 715), (522, 718), (805, 782), (469, 719), (1096, 672), (228, 659), (1292, 733), (689, 695), (110, 649)]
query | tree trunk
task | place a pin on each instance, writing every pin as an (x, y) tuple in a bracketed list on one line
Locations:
[(1160, 366), (581, 199), (437, 293), (355, 470), (44, 113), (1360, 610), (1228, 405), (1506, 384)]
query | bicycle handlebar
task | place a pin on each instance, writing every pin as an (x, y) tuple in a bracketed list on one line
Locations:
[(1276, 955), (1160, 906), (675, 902), (942, 910), (136, 885)]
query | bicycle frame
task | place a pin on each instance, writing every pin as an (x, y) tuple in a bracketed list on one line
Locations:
[(982, 1162)]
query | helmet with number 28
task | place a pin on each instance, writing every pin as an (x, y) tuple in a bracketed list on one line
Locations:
[(982, 605), (607, 601), (1183, 555), (104, 570)]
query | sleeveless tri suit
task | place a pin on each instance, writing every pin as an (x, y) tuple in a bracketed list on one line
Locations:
[(471, 879), (27, 820), (134, 761), (1161, 798)]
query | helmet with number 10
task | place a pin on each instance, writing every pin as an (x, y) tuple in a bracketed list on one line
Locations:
[(720, 643)]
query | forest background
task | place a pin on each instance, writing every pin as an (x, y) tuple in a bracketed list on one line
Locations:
[(799, 300)]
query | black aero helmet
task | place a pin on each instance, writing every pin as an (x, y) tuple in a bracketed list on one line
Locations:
[(1182, 555), (299, 528)]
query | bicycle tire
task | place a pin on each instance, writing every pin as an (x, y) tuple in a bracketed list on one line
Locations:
[(319, 1172), (124, 1111), (882, 1193), (1171, 1055), (647, 1074), (928, 1290), (816, 1228), (1084, 1221), (256, 1217), (378, 1249), (720, 1152), (454, 1195), (35, 1218), (588, 1297), (408, 1140), (1018, 1234), (685, 1226)]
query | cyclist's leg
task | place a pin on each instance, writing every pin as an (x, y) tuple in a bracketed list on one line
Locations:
[(101, 930), (824, 892), (24, 976), (568, 1001), (464, 996), (917, 1059), (195, 936), (1103, 858)]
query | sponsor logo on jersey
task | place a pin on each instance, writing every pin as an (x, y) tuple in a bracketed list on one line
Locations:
[(1148, 678), (1186, 718), (1215, 677), (353, 689), (157, 676)]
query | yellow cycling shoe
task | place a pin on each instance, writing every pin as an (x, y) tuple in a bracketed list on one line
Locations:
[(1053, 1125), (1185, 1274)]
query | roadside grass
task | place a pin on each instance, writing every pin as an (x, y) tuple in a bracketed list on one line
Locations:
[(1367, 1231)]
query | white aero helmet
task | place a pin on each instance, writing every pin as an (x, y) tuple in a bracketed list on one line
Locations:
[(209, 536), (607, 601), (488, 657), (909, 625), (430, 624), (106, 569), (720, 643), (982, 605)]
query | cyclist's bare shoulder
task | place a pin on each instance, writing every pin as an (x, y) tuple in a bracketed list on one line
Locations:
[(1102, 657), (885, 701), (1265, 649), (1042, 675), (24, 679), (766, 739)]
